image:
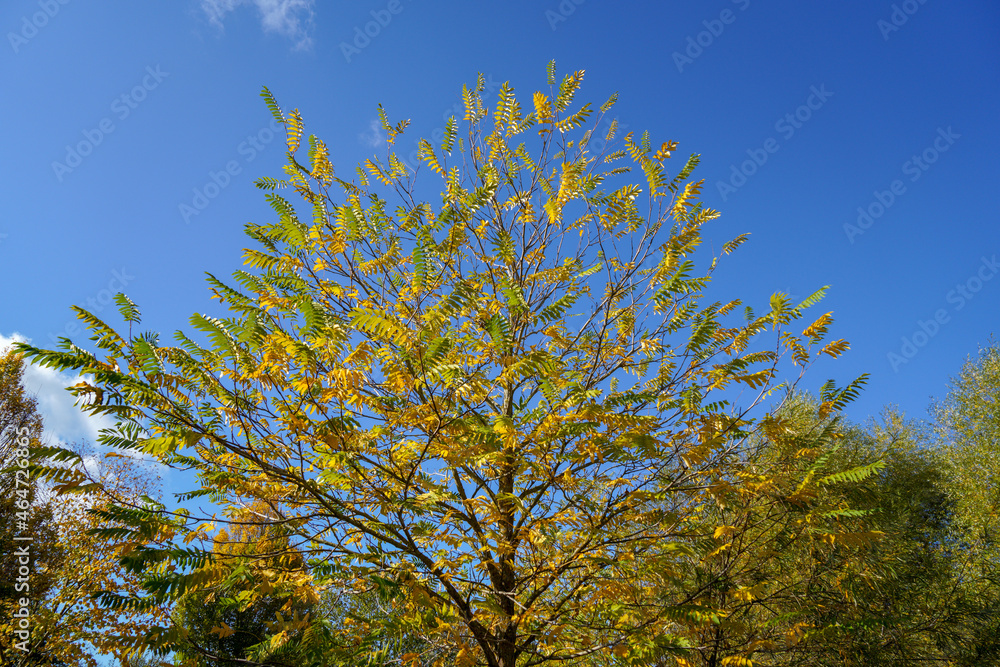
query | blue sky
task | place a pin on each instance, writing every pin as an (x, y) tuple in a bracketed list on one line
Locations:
[(133, 131)]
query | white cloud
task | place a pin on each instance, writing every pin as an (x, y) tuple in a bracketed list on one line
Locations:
[(373, 137), (63, 421), (289, 18)]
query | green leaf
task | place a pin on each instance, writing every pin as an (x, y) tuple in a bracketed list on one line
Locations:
[(272, 105)]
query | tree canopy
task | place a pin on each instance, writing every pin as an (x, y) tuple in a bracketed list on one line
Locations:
[(517, 406)]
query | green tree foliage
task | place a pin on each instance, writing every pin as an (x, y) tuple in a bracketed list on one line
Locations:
[(921, 592), (968, 428), (225, 625), (787, 534), (516, 403), (18, 411), (369, 626)]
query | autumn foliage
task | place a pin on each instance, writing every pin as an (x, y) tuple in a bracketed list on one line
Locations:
[(513, 409)]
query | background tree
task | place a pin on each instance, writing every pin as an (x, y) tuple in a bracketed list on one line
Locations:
[(69, 562), (369, 625), (143, 660), (24, 512), (780, 538), (90, 490), (906, 586), (967, 430), (507, 404), (18, 410), (228, 623)]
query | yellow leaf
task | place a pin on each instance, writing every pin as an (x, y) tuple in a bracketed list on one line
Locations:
[(724, 531), (503, 426), (543, 111), (817, 329), (691, 190), (795, 633), (465, 657), (223, 631), (836, 348)]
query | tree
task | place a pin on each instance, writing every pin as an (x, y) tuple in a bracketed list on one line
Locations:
[(228, 624), (24, 515), (67, 562), (18, 410), (143, 660), (514, 406), (968, 428), (903, 586), (784, 540), (90, 491), (369, 616)]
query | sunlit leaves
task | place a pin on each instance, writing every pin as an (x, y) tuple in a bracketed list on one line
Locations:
[(543, 108), (505, 401), (294, 128)]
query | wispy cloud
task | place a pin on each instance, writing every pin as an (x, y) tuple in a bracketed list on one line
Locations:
[(289, 18), (373, 137)]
